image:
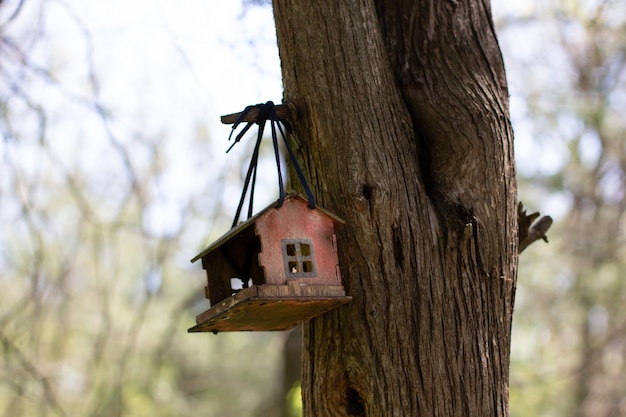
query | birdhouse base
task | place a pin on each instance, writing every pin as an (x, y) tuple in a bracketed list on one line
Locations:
[(270, 307)]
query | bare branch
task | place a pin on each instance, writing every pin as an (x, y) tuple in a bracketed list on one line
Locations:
[(529, 232), (31, 369)]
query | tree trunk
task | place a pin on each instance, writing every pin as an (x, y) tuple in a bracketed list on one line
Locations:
[(404, 130)]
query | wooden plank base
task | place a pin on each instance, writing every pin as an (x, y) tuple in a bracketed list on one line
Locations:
[(270, 307)]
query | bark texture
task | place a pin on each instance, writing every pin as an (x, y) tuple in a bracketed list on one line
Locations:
[(403, 128)]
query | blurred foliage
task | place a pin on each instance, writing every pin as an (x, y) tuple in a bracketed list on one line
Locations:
[(103, 202), (566, 65), (106, 191), (294, 401)]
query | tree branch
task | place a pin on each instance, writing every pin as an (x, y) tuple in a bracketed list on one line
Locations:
[(529, 232), (283, 111)]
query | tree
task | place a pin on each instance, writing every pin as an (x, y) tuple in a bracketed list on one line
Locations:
[(403, 124)]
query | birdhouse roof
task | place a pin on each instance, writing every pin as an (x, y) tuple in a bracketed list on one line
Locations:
[(252, 220)]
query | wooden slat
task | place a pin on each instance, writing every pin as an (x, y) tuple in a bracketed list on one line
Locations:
[(270, 308)]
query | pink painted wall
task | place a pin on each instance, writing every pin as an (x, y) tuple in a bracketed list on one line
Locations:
[(294, 220)]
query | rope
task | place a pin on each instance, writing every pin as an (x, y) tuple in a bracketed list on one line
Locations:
[(267, 112)]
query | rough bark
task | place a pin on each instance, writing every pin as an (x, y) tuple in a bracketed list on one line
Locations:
[(403, 128)]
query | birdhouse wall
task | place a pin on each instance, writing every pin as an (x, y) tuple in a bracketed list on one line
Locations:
[(296, 222), (236, 258), (219, 273)]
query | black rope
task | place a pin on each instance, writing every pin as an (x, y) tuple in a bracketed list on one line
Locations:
[(267, 112), (299, 172), (281, 188), (251, 169)]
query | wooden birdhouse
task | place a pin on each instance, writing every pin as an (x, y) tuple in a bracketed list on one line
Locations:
[(273, 271)]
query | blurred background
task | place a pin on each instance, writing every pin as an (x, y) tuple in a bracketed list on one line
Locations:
[(113, 175)]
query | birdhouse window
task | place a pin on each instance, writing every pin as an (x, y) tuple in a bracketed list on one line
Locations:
[(298, 258)]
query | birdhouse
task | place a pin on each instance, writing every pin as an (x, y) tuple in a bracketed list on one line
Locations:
[(273, 271)]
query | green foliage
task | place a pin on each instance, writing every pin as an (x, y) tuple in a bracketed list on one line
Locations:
[(294, 401)]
